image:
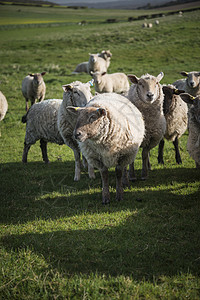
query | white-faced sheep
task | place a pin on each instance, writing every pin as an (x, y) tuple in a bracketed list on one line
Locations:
[(193, 143), (191, 84), (41, 119), (76, 94), (109, 130), (33, 88), (3, 106), (147, 95), (108, 83), (99, 62), (175, 112)]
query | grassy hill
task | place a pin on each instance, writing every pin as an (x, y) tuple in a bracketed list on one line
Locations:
[(57, 240)]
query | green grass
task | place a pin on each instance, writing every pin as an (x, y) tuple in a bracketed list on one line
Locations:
[(57, 240)]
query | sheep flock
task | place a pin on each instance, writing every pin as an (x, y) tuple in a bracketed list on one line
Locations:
[(107, 119)]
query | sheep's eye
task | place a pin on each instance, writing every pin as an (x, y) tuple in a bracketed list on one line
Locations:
[(92, 118), (76, 92)]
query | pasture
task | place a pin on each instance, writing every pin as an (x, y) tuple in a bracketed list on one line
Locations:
[(57, 240)]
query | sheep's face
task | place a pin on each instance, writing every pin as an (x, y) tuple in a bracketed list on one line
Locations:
[(195, 108), (89, 123), (193, 78), (148, 86), (93, 58), (170, 97), (77, 94), (38, 78), (97, 76)]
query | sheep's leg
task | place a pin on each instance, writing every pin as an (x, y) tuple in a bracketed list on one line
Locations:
[(26, 105), (91, 172), (25, 152), (125, 180), (33, 101), (178, 156), (84, 161), (145, 159), (77, 157), (132, 175), (105, 185), (160, 152), (43, 146), (119, 186), (149, 164)]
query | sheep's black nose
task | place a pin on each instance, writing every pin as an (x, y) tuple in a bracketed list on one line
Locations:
[(150, 95), (77, 134), (192, 83)]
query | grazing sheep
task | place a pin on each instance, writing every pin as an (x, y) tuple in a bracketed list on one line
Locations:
[(191, 84), (41, 119), (147, 95), (33, 88), (108, 83), (193, 143), (3, 106), (157, 22), (150, 25), (144, 25), (109, 130), (75, 94), (175, 112)]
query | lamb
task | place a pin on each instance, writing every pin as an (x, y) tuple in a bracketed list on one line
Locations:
[(33, 88), (41, 119), (175, 112), (99, 62), (193, 143), (81, 68), (108, 83), (3, 106), (77, 94), (109, 130), (191, 84), (147, 95)]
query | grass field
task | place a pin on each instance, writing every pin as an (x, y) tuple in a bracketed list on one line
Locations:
[(57, 240)]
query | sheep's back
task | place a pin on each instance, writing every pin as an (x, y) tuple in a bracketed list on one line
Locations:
[(3, 106)]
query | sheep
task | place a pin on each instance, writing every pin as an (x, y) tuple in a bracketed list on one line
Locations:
[(150, 25), (107, 83), (3, 106), (109, 131), (147, 95), (33, 88), (157, 22), (193, 142), (83, 67), (144, 25), (41, 119), (191, 84), (99, 62), (76, 94), (175, 112)]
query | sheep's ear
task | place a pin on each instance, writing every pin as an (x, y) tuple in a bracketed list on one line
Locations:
[(133, 78), (178, 92), (73, 110), (160, 76), (31, 74), (187, 98), (67, 87), (101, 111), (183, 73), (43, 73), (104, 73)]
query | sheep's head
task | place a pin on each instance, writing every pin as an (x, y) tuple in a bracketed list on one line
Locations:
[(93, 57), (97, 76), (89, 122), (77, 93), (193, 78), (148, 86), (38, 78), (195, 108)]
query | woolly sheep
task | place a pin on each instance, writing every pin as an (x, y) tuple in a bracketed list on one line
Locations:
[(147, 95), (191, 84), (107, 83), (33, 88), (193, 143), (41, 119), (157, 22), (175, 112), (3, 106), (76, 94), (97, 63), (144, 25), (109, 130), (83, 67), (150, 25)]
